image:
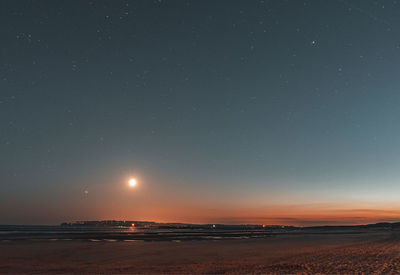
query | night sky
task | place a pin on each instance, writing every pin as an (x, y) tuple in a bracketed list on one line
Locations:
[(282, 112)]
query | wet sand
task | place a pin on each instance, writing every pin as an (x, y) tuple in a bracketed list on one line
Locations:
[(310, 253)]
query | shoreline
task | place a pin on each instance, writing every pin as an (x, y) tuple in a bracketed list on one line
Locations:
[(310, 253)]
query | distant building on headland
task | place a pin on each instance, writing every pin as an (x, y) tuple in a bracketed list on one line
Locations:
[(147, 224), (112, 223)]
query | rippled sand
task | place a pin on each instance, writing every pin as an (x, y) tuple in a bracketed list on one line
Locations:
[(313, 253)]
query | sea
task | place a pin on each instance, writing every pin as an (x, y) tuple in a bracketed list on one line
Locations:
[(15, 233)]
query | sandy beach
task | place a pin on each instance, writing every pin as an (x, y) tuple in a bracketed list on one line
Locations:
[(310, 253)]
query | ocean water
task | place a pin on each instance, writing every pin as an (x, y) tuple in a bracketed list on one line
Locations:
[(14, 233)]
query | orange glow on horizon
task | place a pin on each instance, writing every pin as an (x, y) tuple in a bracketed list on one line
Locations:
[(296, 216), (166, 201)]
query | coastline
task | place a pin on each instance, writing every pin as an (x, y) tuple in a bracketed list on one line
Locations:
[(286, 253)]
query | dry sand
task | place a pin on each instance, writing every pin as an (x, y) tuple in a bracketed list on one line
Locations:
[(326, 253)]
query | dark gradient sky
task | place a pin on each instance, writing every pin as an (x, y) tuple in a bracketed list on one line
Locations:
[(225, 111)]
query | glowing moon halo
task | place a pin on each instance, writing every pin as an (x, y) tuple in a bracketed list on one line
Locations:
[(132, 182)]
